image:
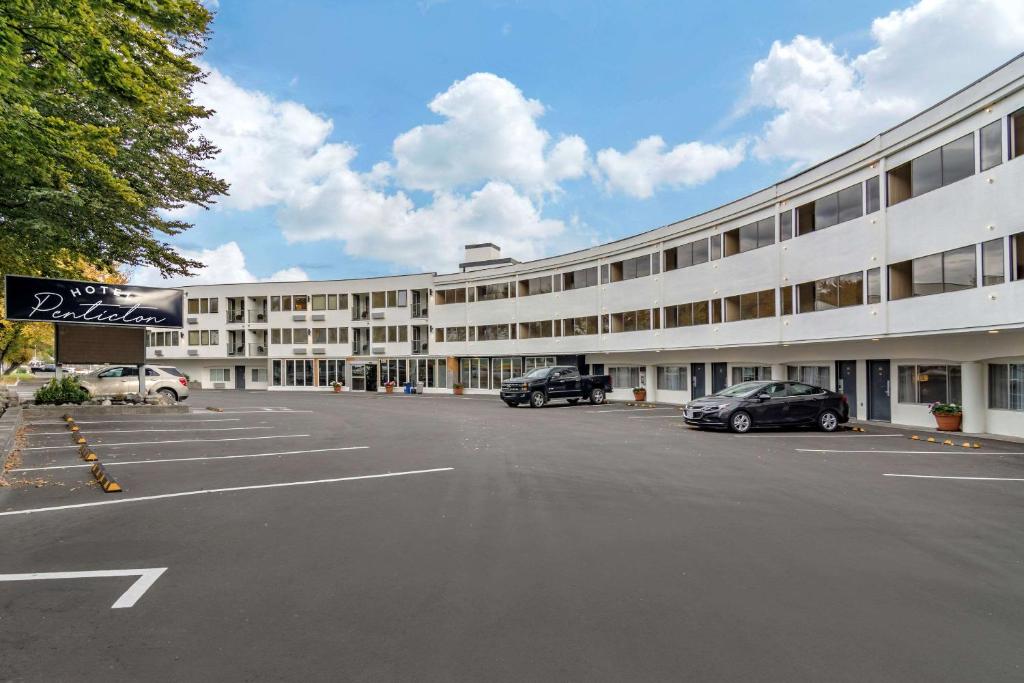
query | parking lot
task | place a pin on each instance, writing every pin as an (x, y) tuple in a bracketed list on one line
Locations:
[(393, 537)]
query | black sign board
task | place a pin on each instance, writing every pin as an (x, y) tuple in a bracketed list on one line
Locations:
[(84, 344), (37, 299)]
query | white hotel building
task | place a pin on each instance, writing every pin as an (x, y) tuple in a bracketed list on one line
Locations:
[(893, 272)]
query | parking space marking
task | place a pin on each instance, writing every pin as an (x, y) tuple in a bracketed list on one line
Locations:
[(111, 463), (139, 431), (152, 443), (823, 435), (263, 411), (935, 476), (147, 577), (949, 451), (144, 420), (656, 417), (162, 496)]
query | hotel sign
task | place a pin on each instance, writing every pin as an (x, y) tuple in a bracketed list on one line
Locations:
[(35, 299)]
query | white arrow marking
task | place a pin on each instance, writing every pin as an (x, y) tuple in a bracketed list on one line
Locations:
[(147, 577)]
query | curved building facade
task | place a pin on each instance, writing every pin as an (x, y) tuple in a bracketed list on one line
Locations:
[(893, 272)]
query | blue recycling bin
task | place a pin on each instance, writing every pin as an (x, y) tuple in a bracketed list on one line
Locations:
[(408, 387)]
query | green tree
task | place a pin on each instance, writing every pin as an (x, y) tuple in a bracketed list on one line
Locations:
[(98, 133)]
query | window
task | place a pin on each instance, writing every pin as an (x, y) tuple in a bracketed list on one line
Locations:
[(1017, 134), (786, 295), (785, 225), (455, 334), (342, 302), (537, 329), (933, 274), (535, 285), (451, 296), (220, 374), (534, 362), (330, 370), (380, 334), (672, 378), (491, 332), (164, 338), (991, 145), (378, 300), (492, 292), (628, 269), (716, 247), (750, 373), (838, 207), (275, 303), (928, 384), (1017, 256), (319, 335), (293, 373), (686, 255), (750, 306), (1006, 386), (873, 194), (332, 302), (578, 279), (475, 373), (685, 315), (300, 302), (300, 335), (815, 375), (831, 292), (319, 302), (751, 236), (851, 289), (992, 267), (952, 162), (203, 305), (631, 321), (576, 327), (259, 375), (625, 377), (203, 337), (875, 286)]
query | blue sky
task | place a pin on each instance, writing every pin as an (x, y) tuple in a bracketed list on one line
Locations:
[(339, 168)]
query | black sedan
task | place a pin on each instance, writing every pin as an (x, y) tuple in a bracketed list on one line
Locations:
[(769, 404)]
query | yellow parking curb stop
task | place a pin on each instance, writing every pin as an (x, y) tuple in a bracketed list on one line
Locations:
[(106, 482), (915, 437), (947, 442), (931, 439), (74, 427), (216, 410)]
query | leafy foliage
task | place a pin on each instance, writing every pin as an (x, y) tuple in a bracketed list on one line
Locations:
[(939, 408), (63, 390), (98, 134)]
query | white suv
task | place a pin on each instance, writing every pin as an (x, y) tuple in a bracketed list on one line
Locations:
[(118, 380)]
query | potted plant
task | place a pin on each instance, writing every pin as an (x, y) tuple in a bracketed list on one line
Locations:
[(947, 416), (389, 387), (639, 393), (457, 388), (337, 386)]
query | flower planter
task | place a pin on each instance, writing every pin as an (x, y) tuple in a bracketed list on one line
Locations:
[(457, 391), (389, 390), (640, 394), (337, 389), (948, 423)]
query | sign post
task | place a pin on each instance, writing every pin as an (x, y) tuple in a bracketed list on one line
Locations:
[(96, 322)]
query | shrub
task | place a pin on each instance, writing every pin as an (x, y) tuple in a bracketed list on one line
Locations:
[(65, 390)]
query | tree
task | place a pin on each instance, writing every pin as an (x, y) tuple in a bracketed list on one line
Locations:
[(99, 139)]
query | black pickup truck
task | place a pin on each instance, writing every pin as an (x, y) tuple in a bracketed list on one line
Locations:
[(541, 385)]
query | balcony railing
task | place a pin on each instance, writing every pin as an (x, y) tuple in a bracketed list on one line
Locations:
[(419, 347), (235, 316), (359, 349), (235, 349), (258, 316), (419, 311), (257, 349)]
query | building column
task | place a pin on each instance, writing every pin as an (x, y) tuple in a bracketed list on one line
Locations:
[(972, 392), (779, 372), (650, 382)]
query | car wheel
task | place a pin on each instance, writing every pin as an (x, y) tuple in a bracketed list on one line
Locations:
[(537, 399), (572, 401), (169, 393), (740, 422), (828, 421), (596, 396), (512, 404)]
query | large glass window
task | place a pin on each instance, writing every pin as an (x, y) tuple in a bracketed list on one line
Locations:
[(1006, 386), (624, 377), (578, 279), (815, 375), (993, 271), (991, 145), (933, 274), (672, 378), (872, 194), (928, 384), (786, 225), (875, 286), (534, 362), (952, 162), (750, 373)]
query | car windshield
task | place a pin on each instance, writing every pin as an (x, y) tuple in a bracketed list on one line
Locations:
[(538, 373), (741, 390)]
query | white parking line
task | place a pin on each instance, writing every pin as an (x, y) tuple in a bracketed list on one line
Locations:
[(119, 501), (948, 451), (139, 431), (627, 410), (144, 420), (147, 577), (153, 443), (656, 417), (823, 435), (262, 412), (932, 476), (111, 463)]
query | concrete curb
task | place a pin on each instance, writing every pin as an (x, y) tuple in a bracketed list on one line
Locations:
[(10, 421), (84, 412)]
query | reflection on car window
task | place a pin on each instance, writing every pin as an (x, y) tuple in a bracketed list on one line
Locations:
[(112, 372), (538, 373), (741, 390), (776, 390), (797, 389)]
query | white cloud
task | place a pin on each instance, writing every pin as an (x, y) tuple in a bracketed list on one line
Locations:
[(648, 167), (827, 101), (490, 132), (225, 263)]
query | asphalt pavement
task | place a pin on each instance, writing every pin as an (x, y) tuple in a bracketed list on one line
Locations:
[(436, 538)]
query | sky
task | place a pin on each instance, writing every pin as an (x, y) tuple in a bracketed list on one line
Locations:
[(375, 138)]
